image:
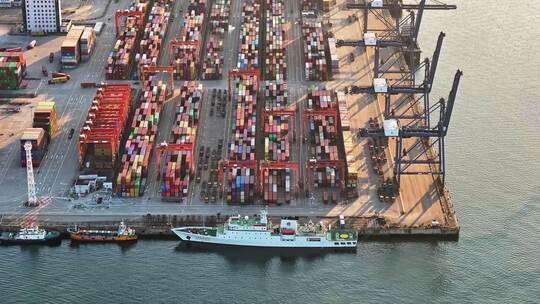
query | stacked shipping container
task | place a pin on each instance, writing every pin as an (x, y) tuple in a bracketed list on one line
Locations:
[(12, 69), (99, 139), (37, 137), (272, 179), (219, 17), (179, 164), (70, 51), (275, 95), (131, 181), (186, 57), (314, 50), (120, 60), (275, 61), (248, 56), (154, 33), (213, 62), (45, 118)]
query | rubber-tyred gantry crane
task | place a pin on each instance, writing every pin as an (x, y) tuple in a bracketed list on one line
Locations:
[(166, 147), (127, 13), (158, 69), (231, 164), (314, 164), (331, 112)]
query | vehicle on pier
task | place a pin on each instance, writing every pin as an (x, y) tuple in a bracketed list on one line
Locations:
[(123, 234), (259, 232), (30, 235)]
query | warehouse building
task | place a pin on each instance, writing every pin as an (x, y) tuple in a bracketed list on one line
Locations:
[(42, 15)]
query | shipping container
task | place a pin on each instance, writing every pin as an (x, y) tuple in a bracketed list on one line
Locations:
[(314, 50), (248, 55), (45, 118), (12, 69), (275, 59)]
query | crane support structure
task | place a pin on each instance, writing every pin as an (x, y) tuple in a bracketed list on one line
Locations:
[(126, 13), (313, 164), (165, 147), (32, 197), (145, 70)]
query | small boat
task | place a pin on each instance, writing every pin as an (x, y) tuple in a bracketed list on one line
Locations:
[(123, 234), (30, 235)]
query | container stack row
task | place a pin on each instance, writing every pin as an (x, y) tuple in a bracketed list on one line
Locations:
[(154, 33), (276, 140), (323, 136), (12, 69), (99, 139), (88, 42), (275, 61), (244, 97), (314, 50), (274, 179), (70, 51), (219, 17), (213, 61), (326, 177), (180, 164), (131, 181), (45, 118), (121, 60), (186, 56), (241, 185), (319, 98), (248, 56), (38, 139), (275, 95)]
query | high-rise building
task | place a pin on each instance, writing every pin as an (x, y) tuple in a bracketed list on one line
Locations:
[(42, 15)]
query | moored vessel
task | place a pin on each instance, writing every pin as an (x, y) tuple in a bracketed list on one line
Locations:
[(122, 234), (259, 232), (30, 235)]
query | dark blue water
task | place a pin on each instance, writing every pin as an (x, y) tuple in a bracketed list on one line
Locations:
[(493, 175)]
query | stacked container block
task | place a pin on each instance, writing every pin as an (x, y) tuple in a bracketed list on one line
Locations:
[(314, 50), (274, 179), (99, 139), (275, 95), (320, 98), (120, 61), (88, 42), (37, 137), (213, 62), (12, 69), (153, 34), (219, 17), (275, 61), (248, 56), (179, 164), (186, 57), (131, 181), (45, 118), (245, 118)]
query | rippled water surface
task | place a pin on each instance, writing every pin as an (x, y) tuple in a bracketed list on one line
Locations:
[(493, 174)]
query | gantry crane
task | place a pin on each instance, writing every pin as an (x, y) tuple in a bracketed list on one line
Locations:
[(158, 69), (32, 197), (166, 147), (230, 164), (428, 149), (287, 113), (414, 93), (331, 112), (127, 13)]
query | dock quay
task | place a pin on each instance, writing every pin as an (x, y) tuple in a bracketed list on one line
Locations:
[(338, 121)]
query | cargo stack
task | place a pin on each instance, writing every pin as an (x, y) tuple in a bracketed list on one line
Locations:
[(70, 50), (180, 164), (314, 50), (99, 139), (276, 140), (45, 118), (245, 117), (12, 70), (323, 135), (348, 154), (319, 98), (275, 61), (186, 57), (274, 179), (248, 56), (154, 33), (39, 145), (213, 61), (275, 95), (120, 61), (131, 181), (219, 17), (88, 41)]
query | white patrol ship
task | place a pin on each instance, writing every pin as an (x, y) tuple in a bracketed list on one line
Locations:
[(259, 232)]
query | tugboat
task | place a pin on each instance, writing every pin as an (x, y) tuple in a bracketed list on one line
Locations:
[(30, 235), (259, 232), (123, 234)]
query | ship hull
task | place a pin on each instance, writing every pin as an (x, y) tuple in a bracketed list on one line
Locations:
[(78, 237), (264, 240), (53, 237)]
